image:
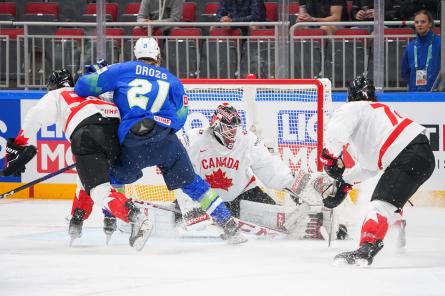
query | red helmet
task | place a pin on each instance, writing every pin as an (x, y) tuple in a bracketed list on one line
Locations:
[(225, 123)]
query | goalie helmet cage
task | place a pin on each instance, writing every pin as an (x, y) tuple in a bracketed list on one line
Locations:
[(288, 114)]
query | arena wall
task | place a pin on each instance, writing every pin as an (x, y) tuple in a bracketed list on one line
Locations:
[(55, 153)]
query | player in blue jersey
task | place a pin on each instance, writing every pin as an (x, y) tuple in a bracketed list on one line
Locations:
[(153, 107)]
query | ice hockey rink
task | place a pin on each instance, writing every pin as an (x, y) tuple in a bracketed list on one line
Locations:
[(35, 260)]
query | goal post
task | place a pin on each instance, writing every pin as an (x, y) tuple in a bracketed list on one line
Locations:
[(288, 114)]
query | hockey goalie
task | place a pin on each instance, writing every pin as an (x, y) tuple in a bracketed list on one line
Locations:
[(232, 160)]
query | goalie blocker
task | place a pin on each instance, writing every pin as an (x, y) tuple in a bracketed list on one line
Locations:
[(17, 157)]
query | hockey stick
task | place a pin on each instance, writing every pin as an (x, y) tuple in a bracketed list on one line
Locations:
[(46, 177), (244, 226), (331, 222)]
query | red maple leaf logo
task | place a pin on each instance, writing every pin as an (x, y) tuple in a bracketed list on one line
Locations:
[(219, 180)]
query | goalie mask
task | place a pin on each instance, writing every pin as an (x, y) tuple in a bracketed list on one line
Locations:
[(361, 89), (225, 123), (58, 79)]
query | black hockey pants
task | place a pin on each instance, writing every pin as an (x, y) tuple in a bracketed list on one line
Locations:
[(95, 146), (410, 169)]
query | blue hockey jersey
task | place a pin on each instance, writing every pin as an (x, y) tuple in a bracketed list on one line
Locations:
[(140, 91)]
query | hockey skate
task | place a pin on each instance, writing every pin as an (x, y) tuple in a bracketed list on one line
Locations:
[(110, 227), (141, 227), (231, 233), (76, 223), (363, 256)]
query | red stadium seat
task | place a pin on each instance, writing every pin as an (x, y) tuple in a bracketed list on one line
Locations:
[(185, 32), (349, 9), (68, 32), (209, 12), (308, 43), (211, 8), (189, 12), (396, 39), (351, 32), (258, 33), (132, 8), (182, 52), (436, 30), (12, 32), (294, 7), (42, 8), (8, 11), (143, 32), (110, 9), (399, 33), (271, 11), (225, 32)]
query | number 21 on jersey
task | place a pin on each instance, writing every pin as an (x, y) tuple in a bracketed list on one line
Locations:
[(141, 87)]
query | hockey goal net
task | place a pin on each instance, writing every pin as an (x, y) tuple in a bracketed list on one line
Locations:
[(288, 115)]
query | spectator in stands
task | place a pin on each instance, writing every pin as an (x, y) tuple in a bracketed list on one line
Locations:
[(160, 10), (421, 58), (323, 11), (241, 11), (408, 8), (363, 10)]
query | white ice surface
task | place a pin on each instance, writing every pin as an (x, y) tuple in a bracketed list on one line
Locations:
[(35, 260)]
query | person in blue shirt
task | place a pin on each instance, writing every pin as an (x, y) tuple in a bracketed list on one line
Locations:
[(153, 107), (421, 58)]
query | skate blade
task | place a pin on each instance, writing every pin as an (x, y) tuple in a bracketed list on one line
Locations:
[(72, 241), (340, 262), (140, 242), (107, 238), (361, 263), (237, 240)]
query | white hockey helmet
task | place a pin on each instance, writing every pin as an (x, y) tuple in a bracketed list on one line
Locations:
[(147, 47)]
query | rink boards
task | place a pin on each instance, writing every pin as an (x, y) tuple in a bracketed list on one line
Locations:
[(54, 151)]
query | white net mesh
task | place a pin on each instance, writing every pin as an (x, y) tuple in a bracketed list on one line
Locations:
[(287, 114)]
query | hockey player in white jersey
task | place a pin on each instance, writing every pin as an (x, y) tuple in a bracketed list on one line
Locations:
[(230, 159), (91, 126), (379, 139)]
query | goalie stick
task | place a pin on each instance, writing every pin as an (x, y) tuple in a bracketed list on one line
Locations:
[(32, 183), (247, 227)]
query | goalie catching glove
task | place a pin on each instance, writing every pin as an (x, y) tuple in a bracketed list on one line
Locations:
[(336, 193), (17, 156), (333, 165)]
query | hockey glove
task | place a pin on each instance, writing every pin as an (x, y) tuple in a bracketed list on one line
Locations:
[(333, 166), (17, 157), (334, 195), (100, 63)]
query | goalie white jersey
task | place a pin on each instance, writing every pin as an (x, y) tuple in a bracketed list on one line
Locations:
[(376, 134), (64, 107), (232, 171)]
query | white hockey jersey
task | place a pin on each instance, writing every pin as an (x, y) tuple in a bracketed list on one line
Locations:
[(65, 108), (232, 171), (376, 134)]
